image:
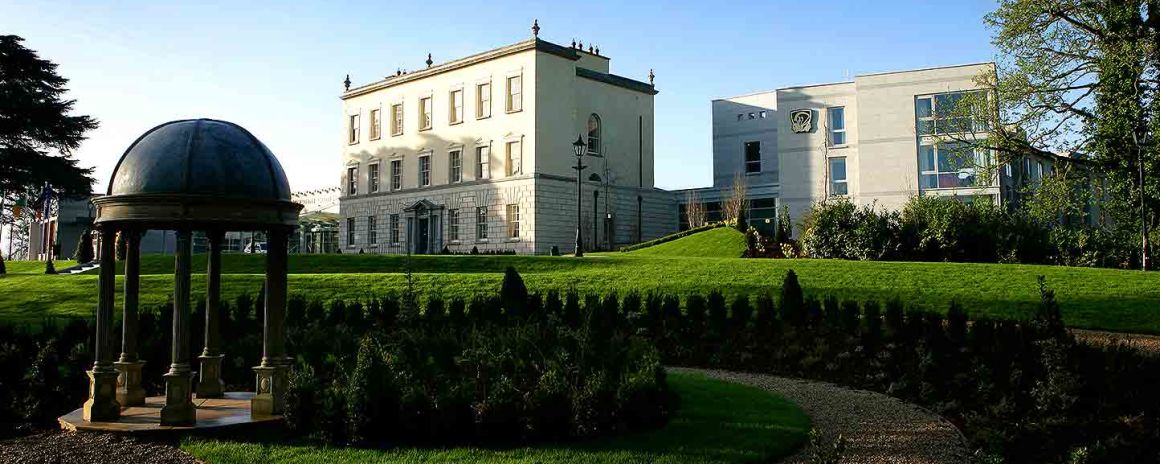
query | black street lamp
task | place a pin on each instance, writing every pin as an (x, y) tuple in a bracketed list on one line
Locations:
[(578, 147)]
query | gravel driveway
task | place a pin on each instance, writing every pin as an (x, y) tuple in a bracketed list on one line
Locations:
[(1147, 344), (878, 428)]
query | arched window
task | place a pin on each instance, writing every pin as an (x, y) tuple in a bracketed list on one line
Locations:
[(594, 135)]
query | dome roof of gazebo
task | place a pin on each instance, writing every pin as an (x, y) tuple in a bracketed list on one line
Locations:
[(198, 172)]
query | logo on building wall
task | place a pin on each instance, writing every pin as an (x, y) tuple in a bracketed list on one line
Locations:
[(801, 121)]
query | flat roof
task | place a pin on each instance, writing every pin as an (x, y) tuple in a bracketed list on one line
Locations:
[(929, 68), (530, 44)]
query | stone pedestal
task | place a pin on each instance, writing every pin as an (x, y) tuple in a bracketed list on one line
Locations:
[(270, 397), (129, 389), (102, 404), (179, 408), (210, 384)]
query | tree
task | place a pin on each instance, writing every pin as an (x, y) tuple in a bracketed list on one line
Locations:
[(1079, 77), (1061, 196), (784, 226), (742, 224), (694, 209), (732, 207), (84, 252), (513, 293), (37, 133)]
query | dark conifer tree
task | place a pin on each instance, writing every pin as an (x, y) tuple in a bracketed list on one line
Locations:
[(37, 133)]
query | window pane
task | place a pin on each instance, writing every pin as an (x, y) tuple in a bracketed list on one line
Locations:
[(837, 169), (483, 101), (837, 118), (925, 127), (839, 138), (929, 181), (514, 159), (945, 104), (752, 151), (948, 180), (482, 160), (926, 158), (839, 188), (922, 108), (954, 156)]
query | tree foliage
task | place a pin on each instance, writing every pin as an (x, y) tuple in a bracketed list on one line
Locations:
[(1079, 77), (37, 133)]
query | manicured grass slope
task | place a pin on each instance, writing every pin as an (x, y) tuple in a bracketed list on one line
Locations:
[(722, 242), (1109, 299), (716, 422), (35, 267)]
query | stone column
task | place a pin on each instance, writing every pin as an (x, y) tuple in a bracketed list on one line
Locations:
[(270, 396), (211, 384), (179, 408), (129, 390), (102, 404)]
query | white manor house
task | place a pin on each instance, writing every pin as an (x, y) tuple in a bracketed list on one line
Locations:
[(477, 153)]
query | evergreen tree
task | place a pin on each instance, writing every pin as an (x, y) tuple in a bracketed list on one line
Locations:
[(37, 134), (793, 310), (513, 293), (784, 226), (84, 252), (742, 221)]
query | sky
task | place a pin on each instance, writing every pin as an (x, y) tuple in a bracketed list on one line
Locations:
[(276, 68)]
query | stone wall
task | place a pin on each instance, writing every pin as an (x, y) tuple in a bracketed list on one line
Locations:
[(556, 218), (547, 208), (495, 195)]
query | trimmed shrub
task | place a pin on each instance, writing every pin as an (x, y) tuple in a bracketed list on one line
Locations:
[(84, 251), (792, 304), (513, 292)]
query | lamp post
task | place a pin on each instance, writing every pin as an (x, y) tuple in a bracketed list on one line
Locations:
[(578, 147)]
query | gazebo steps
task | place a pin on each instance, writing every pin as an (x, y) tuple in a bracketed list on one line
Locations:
[(214, 415)]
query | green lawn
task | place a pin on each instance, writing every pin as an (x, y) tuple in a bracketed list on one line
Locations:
[(35, 267), (1109, 299), (716, 422), (722, 242)]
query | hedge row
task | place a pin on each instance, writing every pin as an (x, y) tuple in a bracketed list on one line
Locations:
[(504, 369), (931, 228), (1021, 392)]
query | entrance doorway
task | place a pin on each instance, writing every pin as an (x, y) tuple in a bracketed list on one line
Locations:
[(422, 236)]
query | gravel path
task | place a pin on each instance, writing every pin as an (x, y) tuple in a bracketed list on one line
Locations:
[(878, 428), (89, 448), (1147, 344)]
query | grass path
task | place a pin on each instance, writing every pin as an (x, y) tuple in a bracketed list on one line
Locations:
[(716, 422)]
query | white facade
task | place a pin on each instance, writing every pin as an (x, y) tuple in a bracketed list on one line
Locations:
[(477, 153), (864, 140)]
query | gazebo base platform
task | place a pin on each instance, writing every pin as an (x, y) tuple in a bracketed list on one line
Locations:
[(213, 415)]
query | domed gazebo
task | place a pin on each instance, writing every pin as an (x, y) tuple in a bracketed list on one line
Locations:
[(191, 175)]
